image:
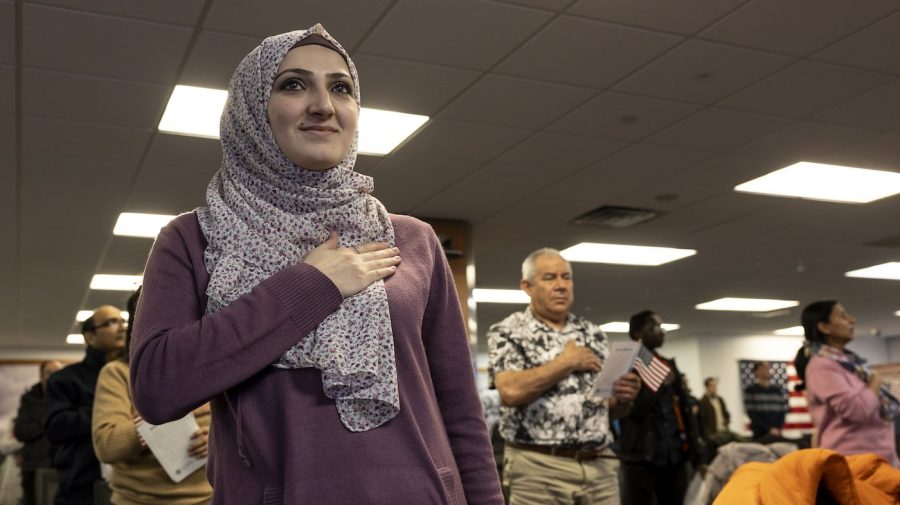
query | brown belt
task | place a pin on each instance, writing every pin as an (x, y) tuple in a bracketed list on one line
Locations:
[(555, 450)]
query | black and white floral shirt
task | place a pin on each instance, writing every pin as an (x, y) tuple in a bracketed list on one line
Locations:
[(564, 415)]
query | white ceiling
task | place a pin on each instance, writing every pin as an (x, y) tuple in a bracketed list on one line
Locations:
[(541, 110)]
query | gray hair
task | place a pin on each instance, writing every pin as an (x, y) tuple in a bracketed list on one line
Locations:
[(528, 264)]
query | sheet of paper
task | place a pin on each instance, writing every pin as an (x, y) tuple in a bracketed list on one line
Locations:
[(170, 443), (618, 363)]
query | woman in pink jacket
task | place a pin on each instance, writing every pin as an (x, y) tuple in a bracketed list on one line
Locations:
[(851, 409)]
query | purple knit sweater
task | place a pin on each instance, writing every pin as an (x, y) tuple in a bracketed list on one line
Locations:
[(275, 437)]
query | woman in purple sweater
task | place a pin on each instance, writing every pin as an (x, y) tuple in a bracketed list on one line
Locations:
[(852, 411), (336, 373)]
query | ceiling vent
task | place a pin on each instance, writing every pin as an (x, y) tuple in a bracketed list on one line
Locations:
[(615, 217)]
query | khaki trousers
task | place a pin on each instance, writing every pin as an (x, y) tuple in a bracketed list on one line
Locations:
[(533, 478)]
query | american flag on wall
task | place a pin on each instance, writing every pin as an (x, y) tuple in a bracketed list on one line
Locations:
[(798, 421)]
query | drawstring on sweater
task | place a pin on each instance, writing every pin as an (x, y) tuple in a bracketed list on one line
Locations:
[(236, 410)]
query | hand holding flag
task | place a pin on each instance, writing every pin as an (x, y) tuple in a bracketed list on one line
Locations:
[(652, 370)]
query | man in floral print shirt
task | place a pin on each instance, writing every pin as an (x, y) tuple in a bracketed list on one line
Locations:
[(543, 362)]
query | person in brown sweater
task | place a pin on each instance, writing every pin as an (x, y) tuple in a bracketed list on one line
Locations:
[(137, 477)]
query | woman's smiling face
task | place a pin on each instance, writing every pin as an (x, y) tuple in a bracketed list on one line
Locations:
[(312, 110)]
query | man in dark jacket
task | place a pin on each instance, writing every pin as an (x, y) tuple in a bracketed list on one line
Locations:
[(715, 418), (70, 398), (29, 429), (659, 435)]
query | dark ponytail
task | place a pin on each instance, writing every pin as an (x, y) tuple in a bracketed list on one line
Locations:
[(813, 314)]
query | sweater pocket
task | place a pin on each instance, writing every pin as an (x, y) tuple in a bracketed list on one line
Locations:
[(273, 496), (452, 486)]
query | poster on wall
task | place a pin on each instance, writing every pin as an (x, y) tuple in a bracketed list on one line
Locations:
[(783, 375)]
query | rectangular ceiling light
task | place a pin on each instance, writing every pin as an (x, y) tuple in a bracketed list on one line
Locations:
[(75, 339), (194, 111), (619, 254), (380, 131), (83, 315), (793, 331), (830, 183), (622, 327), (747, 304), (482, 295), (890, 271), (116, 282), (132, 224)]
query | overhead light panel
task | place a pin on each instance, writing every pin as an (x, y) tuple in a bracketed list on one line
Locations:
[(75, 339), (194, 111), (83, 315), (793, 331), (889, 271), (132, 224), (380, 131), (116, 282), (622, 327), (589, 252), (897, 313), (482, 295), (830, 183), (747, 304), (197, 111)]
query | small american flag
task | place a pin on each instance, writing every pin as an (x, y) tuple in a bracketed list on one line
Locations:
[(653, 371)]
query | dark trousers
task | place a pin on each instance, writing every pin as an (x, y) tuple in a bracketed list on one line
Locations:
[(28, 487), (648, 484)]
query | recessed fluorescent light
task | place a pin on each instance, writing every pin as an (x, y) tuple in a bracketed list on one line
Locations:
[(83, 315), (132, 224), (194, 111), (831, 183), (197, 111), (622, 327), (116, 282), (793, 331), (897, 313), (380, 131), (619, 254), (747, 304), (500, 296), (75, 338), (890, 271)]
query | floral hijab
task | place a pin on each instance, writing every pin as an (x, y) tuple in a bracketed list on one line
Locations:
[(265, 213)]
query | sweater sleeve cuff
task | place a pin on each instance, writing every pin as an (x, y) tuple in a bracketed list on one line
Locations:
[(306, 293)]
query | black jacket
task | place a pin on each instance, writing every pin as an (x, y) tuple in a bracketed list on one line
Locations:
[(708, 414), (640, 428), (29, 429), (70, 398)]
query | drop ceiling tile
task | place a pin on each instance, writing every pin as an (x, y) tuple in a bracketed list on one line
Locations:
[(186, 153), (81, 175), (467, 34), (624, 117), (7, 89), (717, 130), (471, 207), (83, 140), (685, 17), (558, 153), (805, 88), (126, 254), (641, 162), (704, 72), (515, 102), (7, 135), (65, 40), (420, 175), (459, 141), (404, 86), (214, 57), (822, 22), (240, 17), (7, 33), (876, 109), (880, 153), (805, 140), (155, 193), (724, 172), (178, 12), (99, 100), (585, 53), (551, 5), (497, 178), (872, 47)]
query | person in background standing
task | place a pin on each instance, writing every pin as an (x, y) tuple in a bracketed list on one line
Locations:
[(29, 429)]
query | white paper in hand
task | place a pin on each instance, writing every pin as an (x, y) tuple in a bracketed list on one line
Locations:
[(170, 443), (618, 363)]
